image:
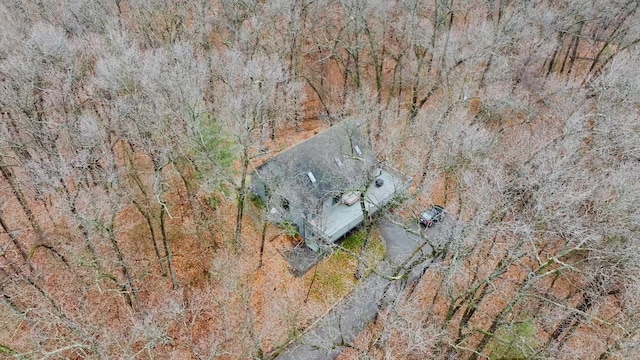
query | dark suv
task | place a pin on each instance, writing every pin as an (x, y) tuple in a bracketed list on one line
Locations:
[(431, 216)]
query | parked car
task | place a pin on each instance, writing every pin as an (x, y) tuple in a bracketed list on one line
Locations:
[(431, 216)]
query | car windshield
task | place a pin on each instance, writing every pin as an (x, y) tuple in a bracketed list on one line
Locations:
[(429, 214)]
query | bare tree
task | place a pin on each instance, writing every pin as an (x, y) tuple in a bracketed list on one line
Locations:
[(251, 86)]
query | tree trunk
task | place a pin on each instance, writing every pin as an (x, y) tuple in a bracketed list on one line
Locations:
[(614, 34), (57, 309), (524, 286), (367, 234), (574, 48), (241, 192), (201, 223), (263, 235), (313, 280), (568, 325), (16, 243), (78, 219), (325, 107), (449, 25), (153, 236), (167, 250), (8, 175), (413, 112), (133, 298), (552, 61)]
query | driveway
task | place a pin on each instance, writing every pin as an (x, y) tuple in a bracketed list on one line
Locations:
[(402, 239), (326, 338), (408, 257)]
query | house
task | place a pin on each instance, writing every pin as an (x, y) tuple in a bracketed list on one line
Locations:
[(316, 185)]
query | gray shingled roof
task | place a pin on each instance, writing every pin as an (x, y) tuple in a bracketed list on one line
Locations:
[(331, 157)]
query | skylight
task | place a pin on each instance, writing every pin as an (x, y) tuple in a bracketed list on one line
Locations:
[(311, 177)]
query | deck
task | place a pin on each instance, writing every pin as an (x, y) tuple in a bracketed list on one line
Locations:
[(343, 218)]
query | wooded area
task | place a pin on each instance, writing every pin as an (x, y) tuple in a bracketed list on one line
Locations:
[(129, 127)]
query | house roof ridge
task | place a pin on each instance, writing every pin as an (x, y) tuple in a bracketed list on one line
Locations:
[(314, 137)]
